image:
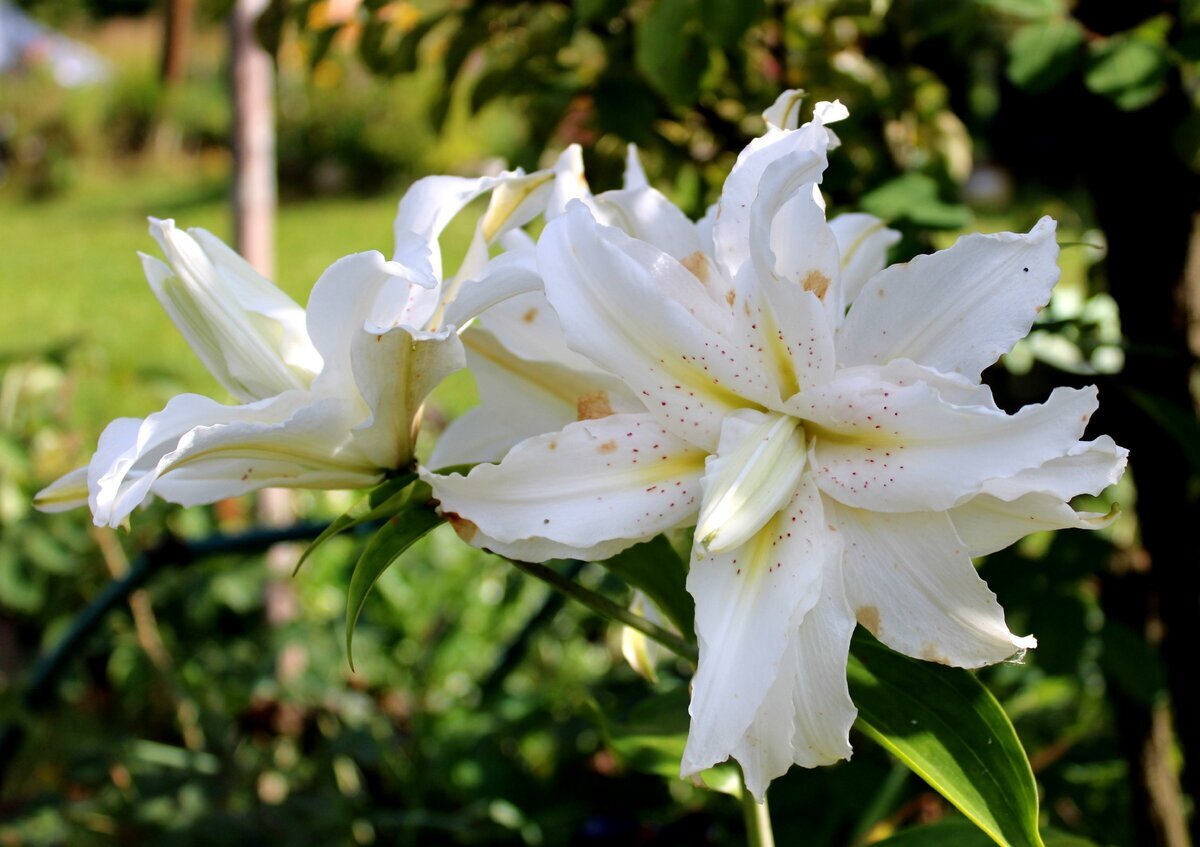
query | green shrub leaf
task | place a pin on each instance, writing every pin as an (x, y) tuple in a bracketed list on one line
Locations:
[(1041, 54), (949, 730)]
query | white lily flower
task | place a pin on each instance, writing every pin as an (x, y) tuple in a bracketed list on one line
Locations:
[(842, 466), (333, 396), (530, 381)]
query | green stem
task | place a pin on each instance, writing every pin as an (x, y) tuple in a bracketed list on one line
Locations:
[(758, 820), (604, 607)]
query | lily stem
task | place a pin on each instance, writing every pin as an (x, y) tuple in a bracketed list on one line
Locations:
[(604, 607), (758, 820)]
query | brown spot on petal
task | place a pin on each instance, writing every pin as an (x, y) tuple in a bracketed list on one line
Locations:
[(697, 263), (591, 407), (817, 283), (868, 616), (930, 654), (466, 529), (608, 447), (730, 296), (529, 316)]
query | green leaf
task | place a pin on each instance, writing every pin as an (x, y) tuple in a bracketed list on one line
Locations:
[(1042, 54), (382, 502), (587, 11), (914, 197), (1030, 10), (1129, 71), (386, 51), (651, 738), (657, 570), (669, 52), (413, 519), (944, 834), (963, 834), (949, 730), (725, 23)]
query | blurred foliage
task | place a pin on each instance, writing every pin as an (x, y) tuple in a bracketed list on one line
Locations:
[(687, 79)]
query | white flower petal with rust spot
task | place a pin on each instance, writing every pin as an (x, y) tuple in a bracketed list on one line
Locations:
[(522, 396), (910, 579), (638, 313), (620, 477)]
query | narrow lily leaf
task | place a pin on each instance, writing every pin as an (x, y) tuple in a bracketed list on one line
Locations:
[(944, 834), (964, 834), (949, 730), (409, 522), (657, 570), (380, 503), (651, 738)]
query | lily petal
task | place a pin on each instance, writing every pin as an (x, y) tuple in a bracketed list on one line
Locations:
[(863, 241), (910, 581), (647, 215), (253, 449), (291, 443), (749, 603), (523, 395), (508, 275), (732, 235), (569, 182), (885, 438), (1088, 467), (753, 474), (636, 312), (635, 174), (622, 477), (987, 524), (69, 491), (357, 292), (249, 334), (1036, 499), (394, 372), (789, 290), (956, 310), (806, 716), (431, 203)]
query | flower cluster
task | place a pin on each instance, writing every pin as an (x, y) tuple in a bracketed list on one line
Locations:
[(759, 375)]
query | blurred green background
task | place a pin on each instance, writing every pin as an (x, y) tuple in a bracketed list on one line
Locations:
[(219, 708)]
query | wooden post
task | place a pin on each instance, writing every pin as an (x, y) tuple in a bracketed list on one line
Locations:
[(254, 186), (177, 26)]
